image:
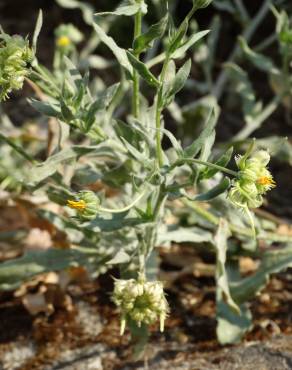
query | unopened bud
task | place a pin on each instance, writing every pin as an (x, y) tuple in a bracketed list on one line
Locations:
[(86, 203)]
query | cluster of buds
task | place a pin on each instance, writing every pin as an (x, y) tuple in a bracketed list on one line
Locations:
[(15, 57), (86, 203), (141, 301), (253, 181), (66, 36)]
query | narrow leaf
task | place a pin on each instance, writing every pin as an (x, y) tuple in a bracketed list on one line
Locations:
[(143, 71), (37, 30), (260, 61), (119, 53), (220, 242), (222, 161), (196, 146), (214, 192), (179, 80), (126, 8), (156, 31), (180, 52)]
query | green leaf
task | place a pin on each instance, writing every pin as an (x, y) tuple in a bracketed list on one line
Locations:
[(16, 147), (111, 223), (136, 154), (178, 82), (223, 161), (176, 145), (231, 327), (232, 321), (180, 52), (37, 30), (214, 192), (156, 31), (100, 104), (118, 52), (14, 272), (200, 4), (127, 8), (73, 77), (51, 165), (273, 261), (178, 234), (260, 61), (196, 146), (178, 36), (143, 71), (220, 242), (119, 258), (207, 149), (46, 108)]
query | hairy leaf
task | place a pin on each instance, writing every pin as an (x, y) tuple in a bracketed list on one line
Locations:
[(260, 61), (180, 52), (14, 272), (156, 31), (196, 146), (119, 53), (50, 166), (223, 161), (127, 8), (143, 71)]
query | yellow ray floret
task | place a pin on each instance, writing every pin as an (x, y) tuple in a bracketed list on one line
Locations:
[(76, 204), (266, 180)]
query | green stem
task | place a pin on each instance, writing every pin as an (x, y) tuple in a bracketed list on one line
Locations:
[(121, 210), (158, 111), (136, 79), (207, 164), (210, 217)]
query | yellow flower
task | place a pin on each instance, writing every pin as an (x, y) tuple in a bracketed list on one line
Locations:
[(266, 181), (63, 41), (76, 204)]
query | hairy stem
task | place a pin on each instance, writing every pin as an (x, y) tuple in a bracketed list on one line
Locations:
[(207, 164), (136, 79), (210, 217), (158, 111)]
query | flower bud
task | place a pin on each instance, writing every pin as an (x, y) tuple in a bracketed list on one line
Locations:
[(15, 56), (253, 181), (140, 301), (86, 204), (66, 36)]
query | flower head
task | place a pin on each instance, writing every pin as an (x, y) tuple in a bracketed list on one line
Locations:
[(86, 203), (67, 36), (254, 180), (15, 57), (141, 301), (63, 41)]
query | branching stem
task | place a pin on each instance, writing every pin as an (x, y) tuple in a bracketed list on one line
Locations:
[(207, 164)]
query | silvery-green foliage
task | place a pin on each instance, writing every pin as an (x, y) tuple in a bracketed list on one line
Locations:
[(102, 138)]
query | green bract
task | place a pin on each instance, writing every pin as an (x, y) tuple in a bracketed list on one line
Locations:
[(141, 301), (15, 56), (254, 180), (86, 203)]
